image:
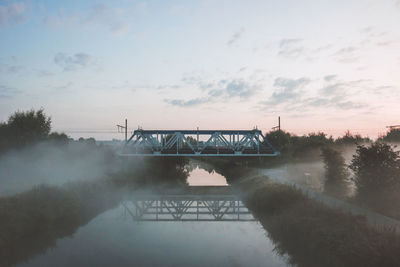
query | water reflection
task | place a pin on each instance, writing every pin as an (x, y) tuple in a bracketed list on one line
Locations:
[(112, 240), (195, 203), (200, 177)]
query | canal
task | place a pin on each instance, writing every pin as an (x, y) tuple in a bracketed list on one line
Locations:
[(116, 238)]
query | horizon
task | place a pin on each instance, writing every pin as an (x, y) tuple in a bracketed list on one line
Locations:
[(319, 65)]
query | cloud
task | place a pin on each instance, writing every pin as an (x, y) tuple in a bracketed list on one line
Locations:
[(287, 89), (120, 27), (188, 103), (346, 50), (290, 48), (236, 36), (290, 97), (329, 78), (73, 62), (223, 90), (239, 88), (10, 69), (387, 43), (8, 92), (115, 19), (347, 54), (12, 14)]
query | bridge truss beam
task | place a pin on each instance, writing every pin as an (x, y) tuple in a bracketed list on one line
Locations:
[(204, 143), (187, 208)]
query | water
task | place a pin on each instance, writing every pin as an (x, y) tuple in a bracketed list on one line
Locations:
[(114, 238), (201, 177)]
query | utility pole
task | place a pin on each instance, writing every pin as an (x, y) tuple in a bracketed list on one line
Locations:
[(125, 128), (279, 125)]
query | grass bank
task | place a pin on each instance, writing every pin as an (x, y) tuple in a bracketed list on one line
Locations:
[(310, 233), (30, 222)]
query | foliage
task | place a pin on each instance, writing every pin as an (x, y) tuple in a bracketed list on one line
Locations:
[(377, 171), (59, 137), (312, 234), (336, 174), (391, 136), (280, 140), (349, 138), (27, 128), (298, 147)]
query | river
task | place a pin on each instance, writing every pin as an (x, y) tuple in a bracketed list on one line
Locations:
[(114, 238)]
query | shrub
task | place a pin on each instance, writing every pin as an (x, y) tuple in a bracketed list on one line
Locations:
[(336, 174), (377, 171)]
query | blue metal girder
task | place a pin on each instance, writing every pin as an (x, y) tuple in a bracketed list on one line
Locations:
[(221, 143)]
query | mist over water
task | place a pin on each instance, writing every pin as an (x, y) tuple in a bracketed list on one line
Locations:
[(52, 164)]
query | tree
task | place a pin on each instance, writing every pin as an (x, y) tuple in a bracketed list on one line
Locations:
[(23, 128), (336, 173), (376, 172), (392, 136), (60, 138), (349, 138), (280, 140)]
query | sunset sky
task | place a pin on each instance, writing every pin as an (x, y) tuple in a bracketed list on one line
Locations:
[(320, 65)]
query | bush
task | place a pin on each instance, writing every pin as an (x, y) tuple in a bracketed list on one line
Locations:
[(377, 172), (336, 174)]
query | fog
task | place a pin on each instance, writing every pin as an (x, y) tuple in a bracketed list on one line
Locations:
[(53, 164)]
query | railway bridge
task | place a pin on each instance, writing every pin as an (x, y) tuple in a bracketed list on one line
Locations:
[(198, 143)]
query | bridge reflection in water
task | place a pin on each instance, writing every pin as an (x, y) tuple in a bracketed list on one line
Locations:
[(196, 203)]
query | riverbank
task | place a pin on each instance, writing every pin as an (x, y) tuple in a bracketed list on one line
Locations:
[(32, 221), (311, 233)]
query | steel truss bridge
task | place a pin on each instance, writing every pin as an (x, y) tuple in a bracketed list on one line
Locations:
[(217, 206), (198, 143)]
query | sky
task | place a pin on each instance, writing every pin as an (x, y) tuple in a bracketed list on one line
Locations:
[(321, 65)]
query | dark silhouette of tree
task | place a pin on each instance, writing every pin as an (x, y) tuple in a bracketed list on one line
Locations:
[(376, 173), (61, 138), (336, 173), (391, 136), (23, 128), (349, 138), (280, 140), (310, 145)]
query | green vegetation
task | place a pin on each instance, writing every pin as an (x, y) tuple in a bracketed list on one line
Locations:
[(31, 222), (377, 177), (310, 233), (393, 135), (308, 147), (27, 128), (315, 235), (351, 139), (336, 173)]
